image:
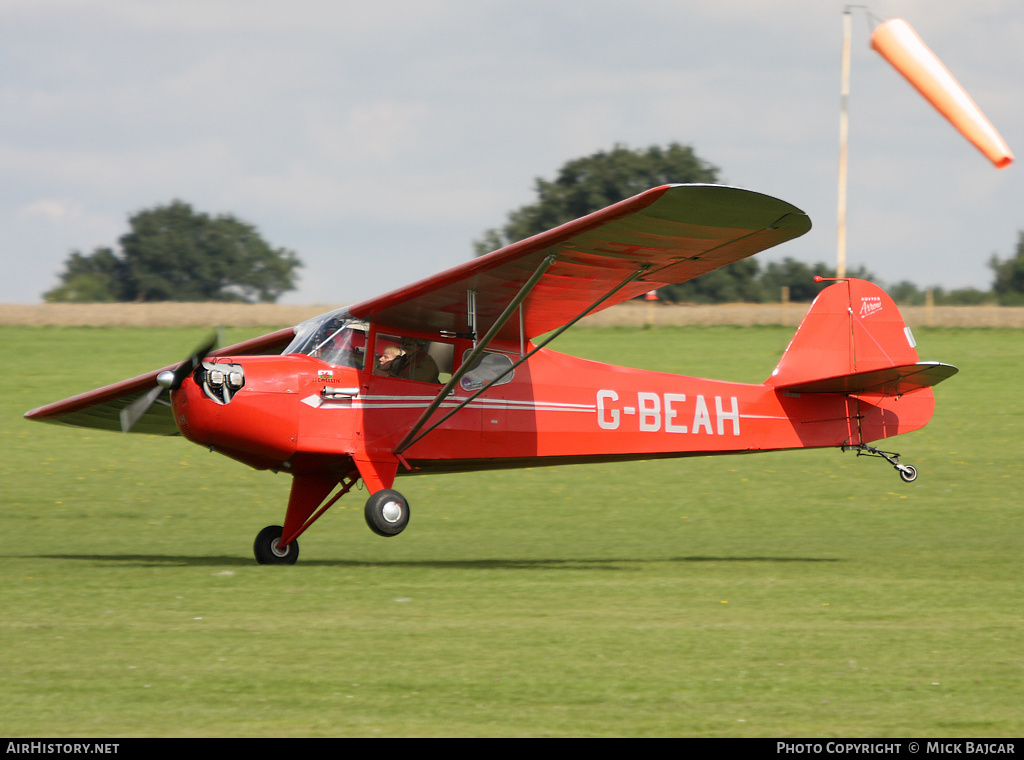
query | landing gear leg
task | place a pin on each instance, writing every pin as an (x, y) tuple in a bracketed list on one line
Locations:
[(276, 545), (908, 473)]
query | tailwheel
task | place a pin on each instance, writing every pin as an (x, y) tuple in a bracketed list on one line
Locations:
[(268, 551), (908, 473), (387, 512)]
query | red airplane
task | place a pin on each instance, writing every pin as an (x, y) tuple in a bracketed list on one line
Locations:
[(444, 376)]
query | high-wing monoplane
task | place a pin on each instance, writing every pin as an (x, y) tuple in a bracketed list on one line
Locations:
[(453, 372)]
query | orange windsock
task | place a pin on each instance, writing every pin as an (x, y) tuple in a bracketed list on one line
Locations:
[(899, 44)]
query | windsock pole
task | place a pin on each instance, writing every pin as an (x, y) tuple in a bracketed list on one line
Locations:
[(844, 138)]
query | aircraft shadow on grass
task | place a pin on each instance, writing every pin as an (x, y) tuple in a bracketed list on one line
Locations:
[(616, 564)]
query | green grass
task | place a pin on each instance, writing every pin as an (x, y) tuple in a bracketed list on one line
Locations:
[(789, 594)]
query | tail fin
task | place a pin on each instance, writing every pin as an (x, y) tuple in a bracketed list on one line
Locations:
[(854, 341)]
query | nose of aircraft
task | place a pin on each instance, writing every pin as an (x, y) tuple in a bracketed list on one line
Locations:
[(224, 406), (195, 415)]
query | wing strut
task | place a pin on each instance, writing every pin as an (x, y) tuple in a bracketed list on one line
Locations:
[(411, 437), (478, 348)]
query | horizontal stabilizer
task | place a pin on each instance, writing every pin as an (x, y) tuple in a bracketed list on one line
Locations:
[(890, 381)]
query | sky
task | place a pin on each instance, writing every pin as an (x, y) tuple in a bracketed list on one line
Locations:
[(379, 140)]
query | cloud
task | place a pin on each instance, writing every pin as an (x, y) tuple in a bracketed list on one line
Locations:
[(401, 130), (54, 211)]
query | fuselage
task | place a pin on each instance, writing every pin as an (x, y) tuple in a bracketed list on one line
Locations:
[(303, 414)]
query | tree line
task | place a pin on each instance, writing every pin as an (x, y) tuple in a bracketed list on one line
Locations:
[(173, 253)]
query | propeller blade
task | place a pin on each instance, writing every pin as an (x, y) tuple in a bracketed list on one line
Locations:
[(186, 367), (131, 413), (169, 380)]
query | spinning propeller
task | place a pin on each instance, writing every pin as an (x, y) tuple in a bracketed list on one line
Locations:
[(168, 380)]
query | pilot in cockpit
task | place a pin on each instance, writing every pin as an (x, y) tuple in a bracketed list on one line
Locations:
[(415, 363)]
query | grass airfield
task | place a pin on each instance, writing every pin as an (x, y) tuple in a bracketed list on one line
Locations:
[(789, 594)]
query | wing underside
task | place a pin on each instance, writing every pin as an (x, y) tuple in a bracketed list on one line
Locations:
[(102, 408), (669, 234)]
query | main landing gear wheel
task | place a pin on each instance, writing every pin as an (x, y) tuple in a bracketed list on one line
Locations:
[(267, 550), (387, 513)]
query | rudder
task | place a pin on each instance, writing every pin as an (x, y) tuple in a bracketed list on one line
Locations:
[(852, 328)]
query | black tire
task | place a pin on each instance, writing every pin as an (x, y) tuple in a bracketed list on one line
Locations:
[(387, 513), (266, 551), (908, 472)]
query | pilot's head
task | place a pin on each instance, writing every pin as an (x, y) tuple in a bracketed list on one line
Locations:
[(413, 345), (388, 356)]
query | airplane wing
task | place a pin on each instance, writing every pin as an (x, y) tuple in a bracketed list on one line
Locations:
[(674, 233), (102, 408)]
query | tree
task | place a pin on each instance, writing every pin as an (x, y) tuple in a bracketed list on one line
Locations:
[(906, 293), (89, 279), (1009, 282), (745, 281), (172, 253), (798, 277), (735, 283), (588, 184)]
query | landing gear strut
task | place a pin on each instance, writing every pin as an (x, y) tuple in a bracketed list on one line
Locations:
[(908, 473)]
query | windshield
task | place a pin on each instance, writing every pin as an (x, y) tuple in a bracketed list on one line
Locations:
[(334, 338)]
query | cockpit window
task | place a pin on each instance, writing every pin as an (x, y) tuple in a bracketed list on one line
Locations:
[(334, 338), (486, 368)]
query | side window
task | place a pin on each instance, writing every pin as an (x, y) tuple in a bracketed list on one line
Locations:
[(412, 358), (487, 368)]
